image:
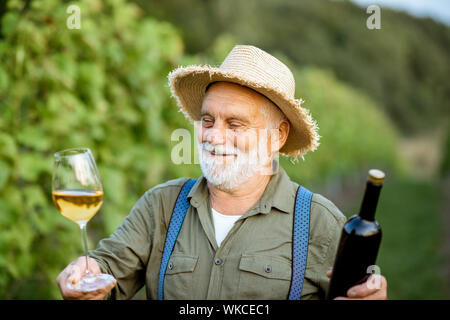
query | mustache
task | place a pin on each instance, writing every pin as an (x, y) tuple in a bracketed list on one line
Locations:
[(219, 149)]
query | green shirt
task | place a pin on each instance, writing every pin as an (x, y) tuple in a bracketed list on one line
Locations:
[(253, 261)]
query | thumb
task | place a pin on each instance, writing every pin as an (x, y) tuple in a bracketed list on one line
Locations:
[(94, 268), (329, 272)]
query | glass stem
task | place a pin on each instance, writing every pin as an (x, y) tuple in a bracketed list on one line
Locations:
[(84, 236)]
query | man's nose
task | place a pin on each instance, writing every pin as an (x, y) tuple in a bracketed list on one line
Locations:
[(216, 136)]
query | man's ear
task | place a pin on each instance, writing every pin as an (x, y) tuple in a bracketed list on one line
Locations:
[(283, 132), (278, 136)]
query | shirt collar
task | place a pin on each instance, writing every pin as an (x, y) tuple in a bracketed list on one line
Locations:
[(279, 193)]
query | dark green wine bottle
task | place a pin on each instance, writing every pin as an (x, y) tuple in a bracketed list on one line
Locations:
[(359, 242)]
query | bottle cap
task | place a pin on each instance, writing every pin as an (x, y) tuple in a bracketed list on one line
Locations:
[(376, 176)]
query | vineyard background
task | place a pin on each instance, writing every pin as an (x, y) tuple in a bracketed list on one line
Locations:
[(380, 98)]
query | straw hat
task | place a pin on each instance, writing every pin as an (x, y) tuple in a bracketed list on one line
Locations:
[(256, 69)]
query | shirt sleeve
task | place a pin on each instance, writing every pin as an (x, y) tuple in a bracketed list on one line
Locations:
[(336, 224), (126, 252)]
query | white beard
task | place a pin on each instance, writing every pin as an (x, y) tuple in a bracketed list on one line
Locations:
[(227, 172)]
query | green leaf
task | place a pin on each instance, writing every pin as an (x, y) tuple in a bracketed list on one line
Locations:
[(14, 197), (112, 216), (7, 217), (4, 173), (9, 22), (31, 165), (34, 197), (34, 137), (114, 184), (4, 80), (8, 146)]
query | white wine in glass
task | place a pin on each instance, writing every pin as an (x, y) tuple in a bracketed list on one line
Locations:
[(77, 192)]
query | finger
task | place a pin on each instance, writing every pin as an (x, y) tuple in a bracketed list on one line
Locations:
[(112, 285), (69, 293), (104, 290), (94, 295), (360, 291), (101, 293), (75, 274), (342, 298), (62, 281), (79, 269), (94, 267), (329, 273), (62, 277), (372, 286), (108, 288)]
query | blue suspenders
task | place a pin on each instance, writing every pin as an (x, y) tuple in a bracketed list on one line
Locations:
[(178, 214), (300, 237)]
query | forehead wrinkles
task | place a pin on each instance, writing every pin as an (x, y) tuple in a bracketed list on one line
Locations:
[(229, 100), (226, 102)]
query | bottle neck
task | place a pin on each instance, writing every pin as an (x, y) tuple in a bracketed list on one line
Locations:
[(370, 200)]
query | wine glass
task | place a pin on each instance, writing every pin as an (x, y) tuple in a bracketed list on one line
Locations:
[(77, 192)]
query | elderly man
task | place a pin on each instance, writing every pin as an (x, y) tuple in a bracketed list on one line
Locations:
[(236, 237)]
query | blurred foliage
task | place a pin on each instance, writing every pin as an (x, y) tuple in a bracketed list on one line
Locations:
[(105, 87), (404, 66), (355, 134), (445, 163), (411, 255)]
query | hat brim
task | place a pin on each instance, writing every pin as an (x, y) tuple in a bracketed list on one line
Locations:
[(188, 85)]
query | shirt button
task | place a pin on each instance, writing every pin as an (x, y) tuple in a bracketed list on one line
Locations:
[(268, 269), (218, 261), (170, 265)]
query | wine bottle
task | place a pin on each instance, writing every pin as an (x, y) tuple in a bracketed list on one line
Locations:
[(359, 242)]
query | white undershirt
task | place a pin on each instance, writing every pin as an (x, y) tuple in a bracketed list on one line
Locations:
[(223, 224)]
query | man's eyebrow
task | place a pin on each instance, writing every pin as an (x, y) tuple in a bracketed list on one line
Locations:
[(231, 117), (204, 113), (239, 118)]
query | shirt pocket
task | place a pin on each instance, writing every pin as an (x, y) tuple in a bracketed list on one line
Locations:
[(178, 281), (263, 277)]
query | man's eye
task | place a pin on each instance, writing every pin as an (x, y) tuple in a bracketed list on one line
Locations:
[(207, 122), (235, 125)]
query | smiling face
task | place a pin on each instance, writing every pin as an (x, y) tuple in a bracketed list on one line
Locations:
[(241, 131)]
